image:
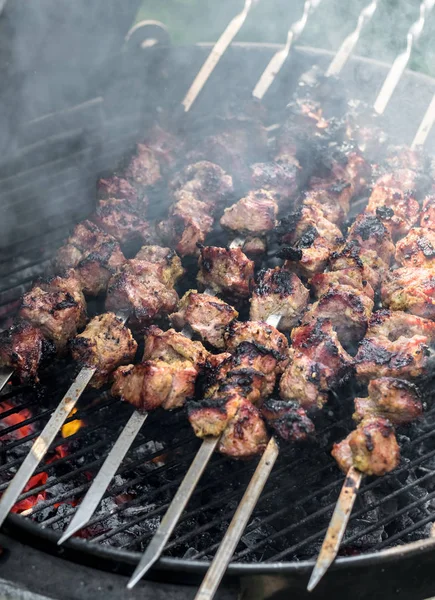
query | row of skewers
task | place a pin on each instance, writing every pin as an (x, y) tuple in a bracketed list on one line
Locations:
[(256, 353)]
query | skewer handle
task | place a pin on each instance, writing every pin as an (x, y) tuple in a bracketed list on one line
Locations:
[(215, 55), (105, 475), (43, 442), (279, 58), (337, 526), (175, 510), (425, 126), (348, 45), (241, 517), (399, 65)]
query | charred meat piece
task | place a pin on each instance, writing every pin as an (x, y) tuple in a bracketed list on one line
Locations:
[(411, 290), (288, 419), (206, 181), (93, 254), (351, 255), (427, 218), (254, 247), (372, 446), (143, 169), (172, 346), (417, 249), (210, 416), (245, 435), (25, 349), (347, 311), (281, 179), (206, 315), (254, 214), (124, 220), (318, 363), (168, 265), (104, 345), (370, 233), (188, 224), (266, 337), (350, 277), (402, 157), (278, 292), (396, 345), (137, 290), (155, 383), (118, 187), (394, 399), (226, 271), (167, 146)]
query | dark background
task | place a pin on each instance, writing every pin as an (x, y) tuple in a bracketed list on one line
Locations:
[(192, 21)]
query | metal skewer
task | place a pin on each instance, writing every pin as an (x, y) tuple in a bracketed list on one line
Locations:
[(279, 58), (399, 65), (5, 375), (215, 55), (343, 508)]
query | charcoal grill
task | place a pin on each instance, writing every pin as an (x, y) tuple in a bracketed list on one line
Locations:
[(47, 184)]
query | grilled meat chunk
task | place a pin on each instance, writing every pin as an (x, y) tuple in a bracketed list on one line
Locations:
[(411, 290), (266, 337), (372, 267), (167, 147), (137, 290), (417, 249), (118, 187), (25, 349), (288, 419), (206, 315), (156, 383), (254, 214), (347, 311), (394, 399), (318, 362), (104, 345), (427, 218), (210, 417), (278, 292), (168, 268), (254, 247), (349, 278), (370, 233), (281, 179), (245, 435), (124, 220), (373, 447), (226, 271), (396, 345), (172, 346), (143, 169), (93, 254), (207, 183)]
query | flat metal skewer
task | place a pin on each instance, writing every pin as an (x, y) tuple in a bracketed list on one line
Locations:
[(238, 523), (215, 55), (5, 375), (278, 59), (399, 65), (343, 508)]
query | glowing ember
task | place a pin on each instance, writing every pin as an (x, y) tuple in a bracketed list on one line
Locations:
[(28, 503), (15, 419)]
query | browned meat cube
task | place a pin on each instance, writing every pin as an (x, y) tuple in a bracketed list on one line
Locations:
[(279, 292), (427, 218), (206, 315), (118, 187), (210, 417), (104, 345), (318, 363), (169, 268), (372, 267), (167, 146), (343, 455), (348, 312), (288, 419), (417, 249), (136, 289), (326, 198), (226, 271), (206, 181), (396, 345), (25, 349), (411, 290), (155, 383), (144, 168), (402, 157), (124, 220), (394, 399), (172, 346), (67, 282), (254, 214), (373, 447), (350, 277), (266, 337), (93, 254), (254, 247), (245, 435), (281, 179), (370, 233)]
